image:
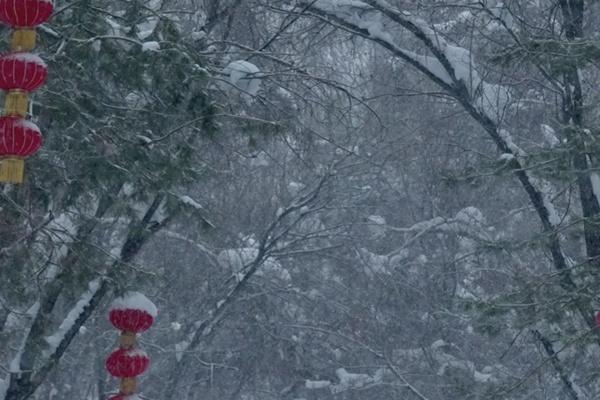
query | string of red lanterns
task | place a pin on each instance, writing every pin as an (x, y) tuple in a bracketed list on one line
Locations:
[(21, 73), (132, 314)]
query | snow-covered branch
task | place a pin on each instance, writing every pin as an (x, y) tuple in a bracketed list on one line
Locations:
[(58, 337), (453, 69), (41, 351), (246, 264), (348, 381)]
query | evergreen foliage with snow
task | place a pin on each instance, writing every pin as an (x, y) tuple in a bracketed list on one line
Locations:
[(340, 199)]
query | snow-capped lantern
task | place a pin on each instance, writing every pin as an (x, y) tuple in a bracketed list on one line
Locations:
[(19, 139), (132, 312), (124, 363), (20, 74), (22, 71), (25, 13), (24, 16)]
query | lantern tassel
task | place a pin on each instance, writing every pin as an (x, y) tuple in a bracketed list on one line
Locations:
[(11, 170)]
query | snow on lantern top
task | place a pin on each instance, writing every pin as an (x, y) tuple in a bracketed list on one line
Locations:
[(25, 13), (134, 300), (133, 312)]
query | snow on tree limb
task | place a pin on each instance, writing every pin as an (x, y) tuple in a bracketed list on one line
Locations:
[(369, 26), (475, 95), (37, 363), (452, 68), (268, 242), (347, 381), (58, 337), (449, 65)]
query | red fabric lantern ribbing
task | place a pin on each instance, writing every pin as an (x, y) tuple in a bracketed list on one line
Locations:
[(25, 13), (130, 320), (124, 363), (132, 313), (18, 137), (22, 71)]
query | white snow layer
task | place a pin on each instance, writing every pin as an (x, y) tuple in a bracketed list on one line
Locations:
[(180, 348), (547, 191), (471, 216), (295, 187), (176, 326), (137, 353), (347, 381), (65, 230), (25, 57), (506, 157), (55, 339), (490, 98), (375, 264), (438, 352), (376, 225), (244, 75), (146, 28), (238, 259), (135, 301), (150, 46), (191, 202), (317, 384), (376, 219), (154, 5), (595, 185), (545, 188), (549, 135)]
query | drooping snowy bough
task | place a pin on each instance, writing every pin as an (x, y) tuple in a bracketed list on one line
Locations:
[(453, 68)]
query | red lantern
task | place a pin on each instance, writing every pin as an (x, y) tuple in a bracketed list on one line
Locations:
[(22, 71), (130, 320), (25, 13), (598, 319), (132, 312), (18, 137), (124, 363)]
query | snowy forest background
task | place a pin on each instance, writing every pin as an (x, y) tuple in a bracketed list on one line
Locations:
[(326, 199)]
